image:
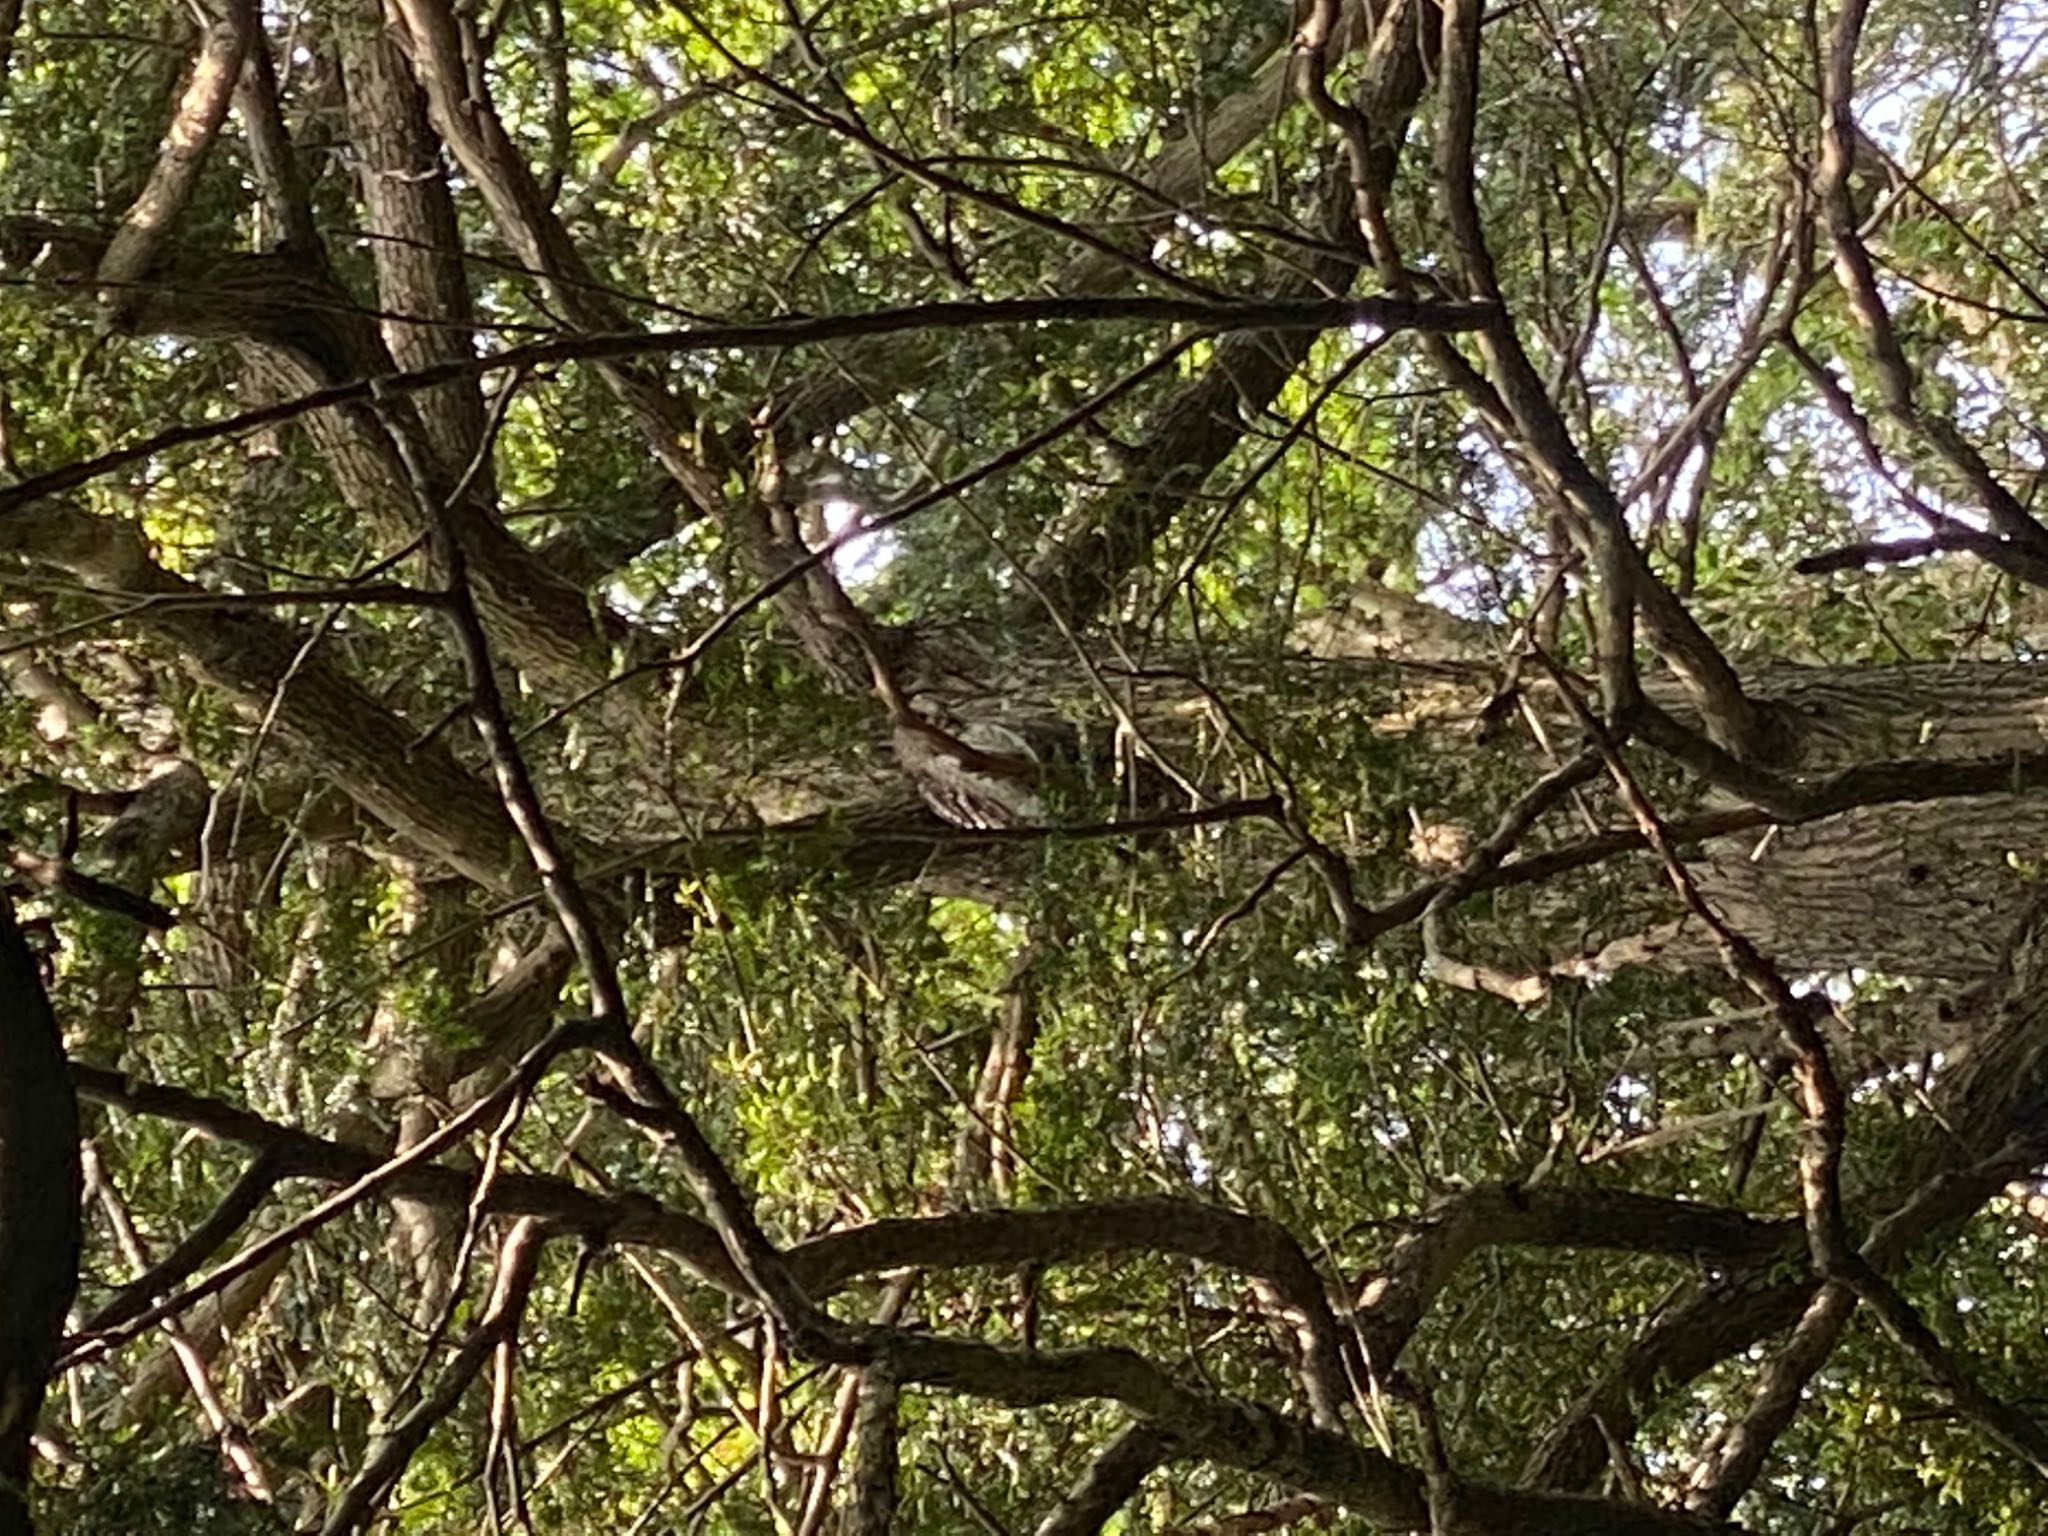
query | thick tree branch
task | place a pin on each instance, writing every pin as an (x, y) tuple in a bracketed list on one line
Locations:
[(871, 1508), (1386, 1494), (463, 115), (1737, 1456), (297, 1154), (1391, 1302), (1877, 552), (1085, 558), (146, 226), (1111, 1481), (2018, 1431), (1949, 533), (416, 243), (63, 877), (341, 732)]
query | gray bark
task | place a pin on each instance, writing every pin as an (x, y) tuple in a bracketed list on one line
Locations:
[(1924, 890)]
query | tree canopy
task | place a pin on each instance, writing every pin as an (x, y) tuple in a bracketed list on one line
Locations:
[(1143, 768)]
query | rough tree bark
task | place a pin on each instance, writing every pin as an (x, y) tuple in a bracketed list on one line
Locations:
[(1923, 890)]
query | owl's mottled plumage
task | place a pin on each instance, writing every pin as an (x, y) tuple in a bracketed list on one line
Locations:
[(982, 777)]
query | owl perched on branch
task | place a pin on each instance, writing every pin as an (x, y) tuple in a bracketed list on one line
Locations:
[(981, 776), (978, 775)]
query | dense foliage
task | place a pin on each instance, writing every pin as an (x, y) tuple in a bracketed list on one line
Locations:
[(1138, 768)]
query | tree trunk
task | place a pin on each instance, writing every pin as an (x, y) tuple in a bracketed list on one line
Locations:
[(1926, 890)]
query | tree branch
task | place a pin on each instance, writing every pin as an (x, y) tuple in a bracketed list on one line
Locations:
[(1391, 1302), (872, 1509), (146, 226), (1858, 277), (1111, 1481)]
